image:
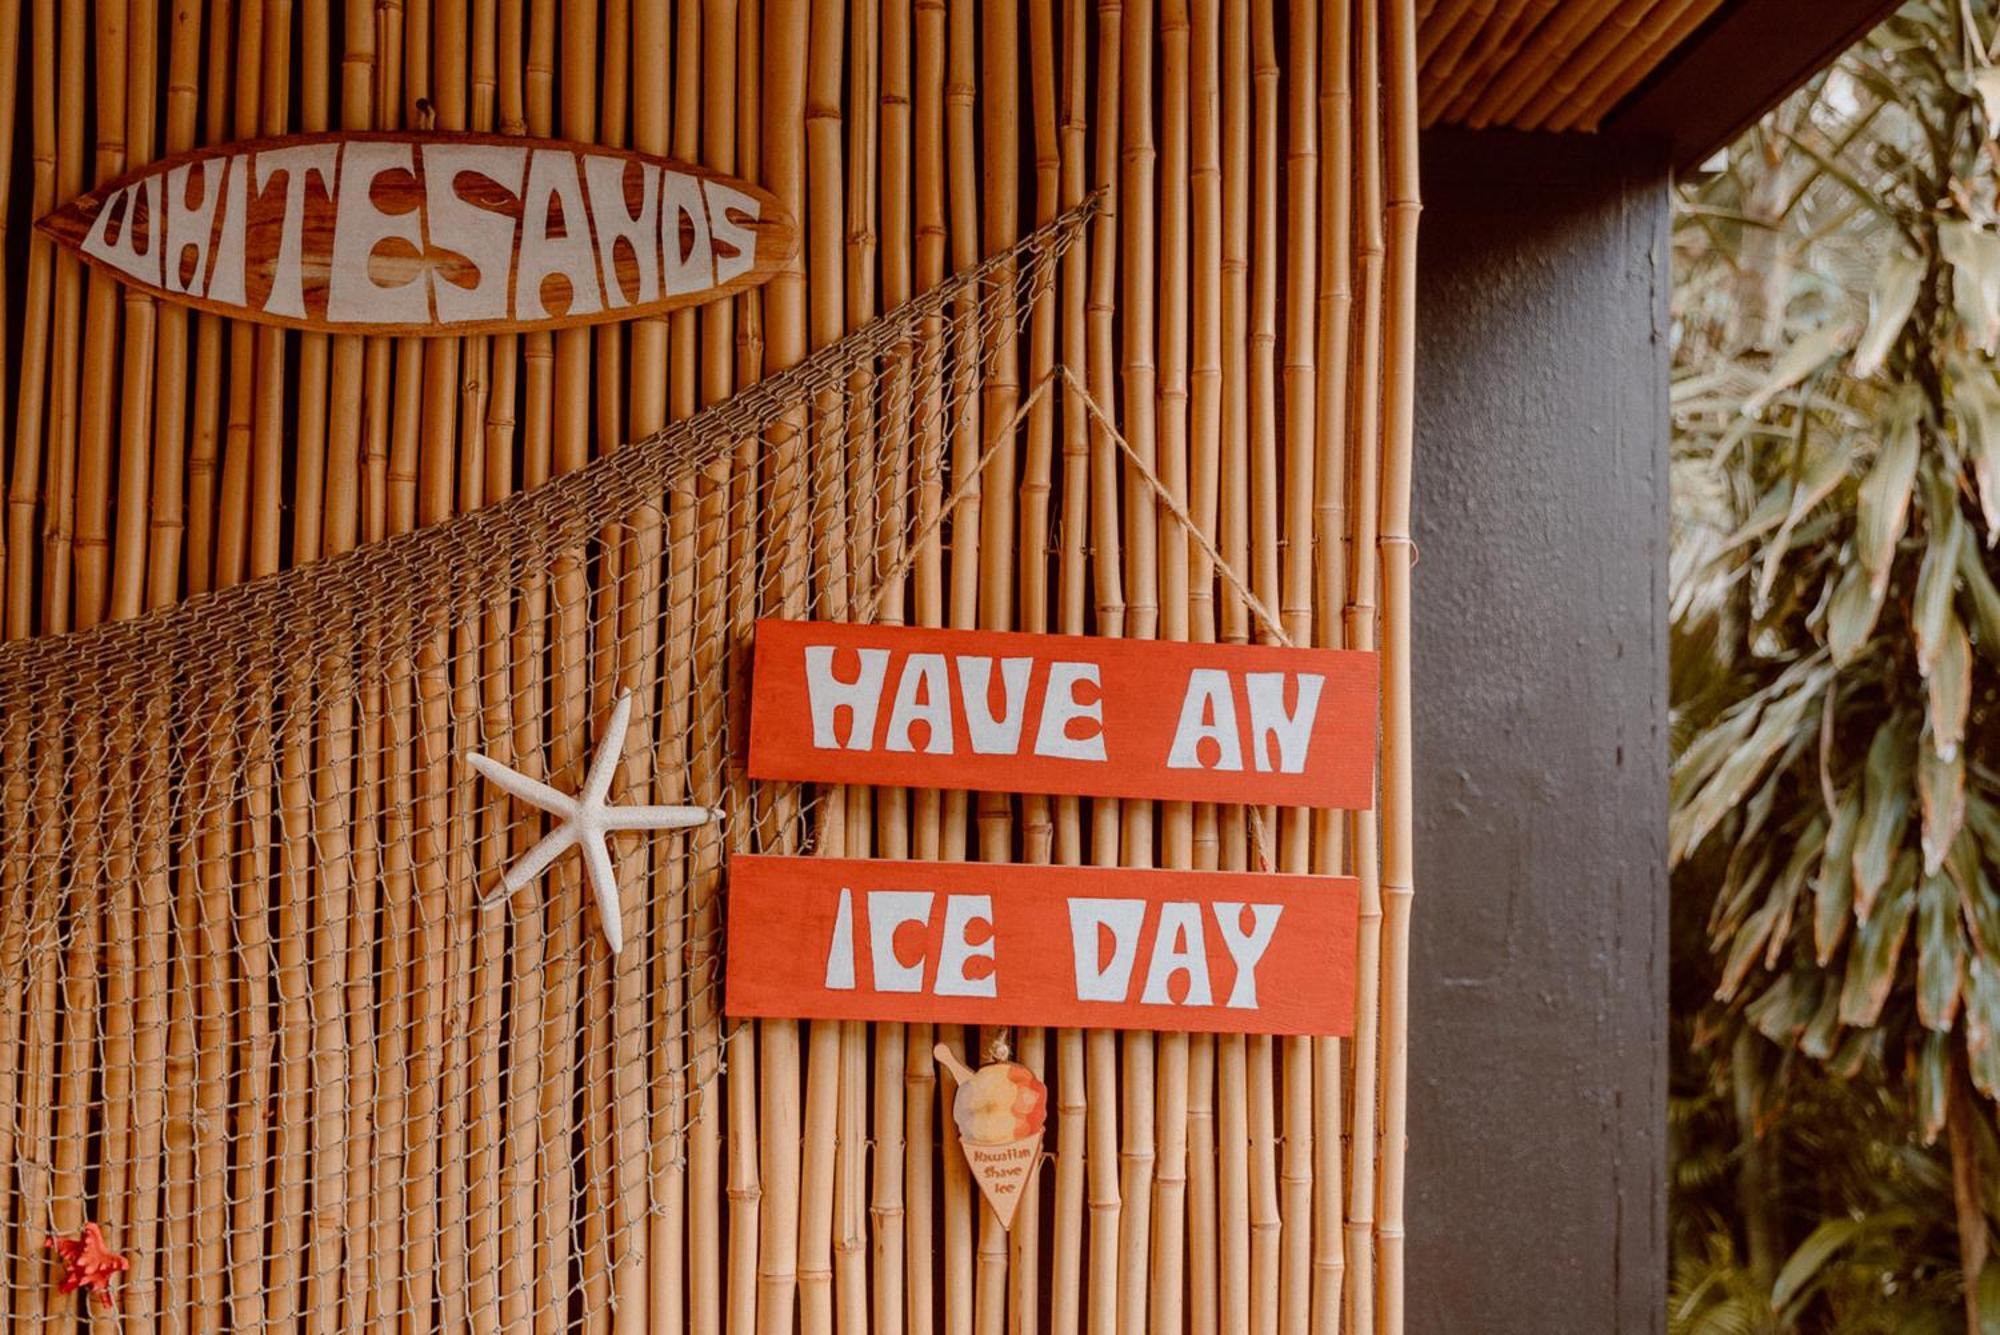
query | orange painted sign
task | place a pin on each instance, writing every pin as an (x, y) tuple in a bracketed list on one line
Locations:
[(995, 943), (1095, 717), (393, 233)]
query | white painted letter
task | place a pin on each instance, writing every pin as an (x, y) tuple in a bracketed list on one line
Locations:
[(189, 228), (840, 950), (960, 912), (484, 236), (226, 284), (826, 693), (352, 295), (1060, 705), (1268, 718), (680, 197), (925, 671), (1245, 949), (297, 164), (124, 253), (994, 736), (887, 911), (1122, 918), (552, 178), (724, 202), (1178, 947), (1208, 710), (614, 219)]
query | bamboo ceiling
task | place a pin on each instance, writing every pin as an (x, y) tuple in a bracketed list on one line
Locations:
[(1543, 64)]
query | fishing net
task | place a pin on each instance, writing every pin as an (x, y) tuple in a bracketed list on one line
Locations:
[(265, 1017)]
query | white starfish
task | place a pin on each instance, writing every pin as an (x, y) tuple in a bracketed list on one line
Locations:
[(586, 820)]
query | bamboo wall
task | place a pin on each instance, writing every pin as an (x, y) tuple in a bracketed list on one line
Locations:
[(1242, 308)]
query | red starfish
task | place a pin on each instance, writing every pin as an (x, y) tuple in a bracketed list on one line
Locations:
[(88, 1263)]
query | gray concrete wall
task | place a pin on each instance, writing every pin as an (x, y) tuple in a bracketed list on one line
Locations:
[(1538, 1102)]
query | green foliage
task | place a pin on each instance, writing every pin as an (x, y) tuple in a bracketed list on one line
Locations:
[(1835, 604)]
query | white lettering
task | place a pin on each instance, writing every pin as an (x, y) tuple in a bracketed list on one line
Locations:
[(840, 950), (1268, 718), (124, 254), (352, 295), (826, 693), (1060, 707), (1246, 948), (960, 913), (693, 271), (1208, 712), (1178, 947), (723, 203), (297, 165), (994, 736), (613, 219), (889, 910), (925, 673), (1123, 919), (189, 228), (226, 284), (552, 178), (485, 237)]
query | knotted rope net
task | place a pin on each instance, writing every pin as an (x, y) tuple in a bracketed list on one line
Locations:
[(255, 1023)]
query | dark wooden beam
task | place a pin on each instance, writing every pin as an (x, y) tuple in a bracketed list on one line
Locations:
[(1736, 67), (1538, 981)]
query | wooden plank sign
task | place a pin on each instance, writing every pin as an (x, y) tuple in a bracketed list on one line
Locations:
[(998, 943), (393, 233), (1094, 717)]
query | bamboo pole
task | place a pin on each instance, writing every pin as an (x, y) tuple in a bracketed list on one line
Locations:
[(1072, 1105), (1137, 242), (24, 492), (1329, 1261), (921, 1086), (1663, 32), (94, 463), (110, 846), (1037, 823), (35, 994), (1361, 614), (782, 129), (660, 1263), (889, 1218), (1398, 556), (745, 1189), (1519, 80), (1574, 85), (1170, 1182), (1516, 19), (1106, 1192), (857, 293), (345, 1083), (967, 1273), (163, 583), (1300, 388), (827, 1057), (1205, 318), (10, 39)]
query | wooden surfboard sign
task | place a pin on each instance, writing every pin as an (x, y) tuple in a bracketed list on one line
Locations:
[(383, 232)]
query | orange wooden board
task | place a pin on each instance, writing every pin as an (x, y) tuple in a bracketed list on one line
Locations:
[(391, 233), (998, 943), (1095, 717)]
